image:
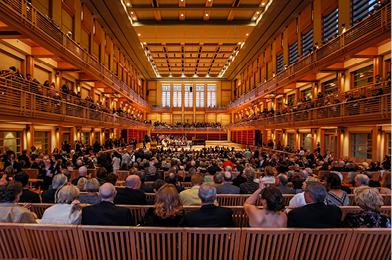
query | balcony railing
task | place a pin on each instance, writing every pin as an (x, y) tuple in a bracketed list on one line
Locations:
[(370, 109), (188, 130), (42, 26), (379, 23), (18, 99)]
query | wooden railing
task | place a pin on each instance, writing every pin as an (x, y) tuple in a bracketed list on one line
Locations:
[(377, 24), (375, 108), (42, 26), (18, 99)]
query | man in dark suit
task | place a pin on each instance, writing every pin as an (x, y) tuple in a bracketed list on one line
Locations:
[(106, 213), (224, 184), (208, 215), (27, 196), (315, 214), (131, 194)]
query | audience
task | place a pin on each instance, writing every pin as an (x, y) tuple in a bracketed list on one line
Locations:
[(370, 201), (191, 197), (336, 196), (131, 194), (315, 214), (272, 214), (224, 184), (106, 213), (167, 210), (91, 196), (59, 181), (66, 210), (208, 215), (27, 195), (282, 181), (10, 211)]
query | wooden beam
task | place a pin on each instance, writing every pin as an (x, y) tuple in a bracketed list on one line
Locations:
[(41, 52)]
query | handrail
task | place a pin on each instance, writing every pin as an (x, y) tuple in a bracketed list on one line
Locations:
[(33, 18), (17, 99), (365, 27)]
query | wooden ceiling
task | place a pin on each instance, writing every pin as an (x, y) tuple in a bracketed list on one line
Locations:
[(193, 38)]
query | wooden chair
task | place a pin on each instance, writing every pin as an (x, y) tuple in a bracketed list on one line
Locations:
[(104, 242), (53, 241), (371, 243), (211, 243), (14, 243), (258, 243), (122, 175), (157, 243)]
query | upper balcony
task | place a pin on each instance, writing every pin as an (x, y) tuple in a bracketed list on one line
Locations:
[(29, 21), (362, 34), (20, 100), (369, 104)]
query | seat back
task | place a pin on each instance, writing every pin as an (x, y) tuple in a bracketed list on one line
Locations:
[(14, 243), (39, 208), (211, 243), (370, 244), (104, 242), (33, 173), (122, 175), (53, 241)]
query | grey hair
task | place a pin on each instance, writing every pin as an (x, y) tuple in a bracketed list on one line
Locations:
[(92, 185), (59, 180), (362, 179), (67, 194), (207, 193), (317, 191)]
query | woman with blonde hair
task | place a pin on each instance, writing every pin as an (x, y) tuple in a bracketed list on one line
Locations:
[(167, 210), (66, 210), (370, 201)]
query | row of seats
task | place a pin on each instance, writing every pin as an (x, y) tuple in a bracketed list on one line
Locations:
[(239, 216), (29, 241)]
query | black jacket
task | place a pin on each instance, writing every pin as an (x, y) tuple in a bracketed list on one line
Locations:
[(29, 196), (209, 216), (316, 215), (107, 214), (129, 196)]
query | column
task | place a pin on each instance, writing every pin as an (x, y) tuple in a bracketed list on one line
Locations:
[(344, 15), (317, 22)]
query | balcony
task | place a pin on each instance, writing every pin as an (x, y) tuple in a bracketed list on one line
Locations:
[(365, 32), (372, 109), (31, 102), (44, 31)]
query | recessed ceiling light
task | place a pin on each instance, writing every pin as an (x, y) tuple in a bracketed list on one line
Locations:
[(207, 14), (257, 12), (247, 34), (182, 15), (139, 34), (132, 12), (262, 4), (128, 4)]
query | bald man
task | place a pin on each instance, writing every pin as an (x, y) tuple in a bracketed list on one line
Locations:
[(131, 194), (106, 213)]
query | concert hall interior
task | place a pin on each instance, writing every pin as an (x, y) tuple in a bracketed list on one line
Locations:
[(195, 129)]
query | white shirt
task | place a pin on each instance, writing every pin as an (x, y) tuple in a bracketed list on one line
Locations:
[(298, 200), (62, 214)]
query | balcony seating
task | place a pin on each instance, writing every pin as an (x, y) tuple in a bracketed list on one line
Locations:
[(35, 241)]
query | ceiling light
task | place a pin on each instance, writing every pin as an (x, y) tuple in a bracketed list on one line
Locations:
[(183, 75), (139, 34), (262, 4), (257, 12), (128, 4), (170, 75), (195, 76), (254, 18), (207, 14), (208, 75), (182, 15), (247, 34), (132, 12), (144, 43)]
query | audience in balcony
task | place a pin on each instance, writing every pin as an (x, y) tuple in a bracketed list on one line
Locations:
[(158, 124), (66, 210), (370, 201)]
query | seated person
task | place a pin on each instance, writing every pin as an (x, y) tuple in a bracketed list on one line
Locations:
[(167, 210), (224, 184), (272, 214), (66, 210), (336, 196), (315, 214), (208, 215), (106, 213), (27, 195), (370, 201), (10, 211), (190, 197), (91, 196), (59, 180), (131, 194)]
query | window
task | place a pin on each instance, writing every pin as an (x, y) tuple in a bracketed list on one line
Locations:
[(306, 94), (360, 9), (85, 137), (291, 139), (362, 77), (290, 99), (188, 96), (307, 41), (12, 140), (293, 52), (41, 141), (279, 63), (361, 146), (329, 86), (199, 95), (330, 140), (177, 96), (388, 141), (165, 95), (331, 25), (306, 141), (211, 95)]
